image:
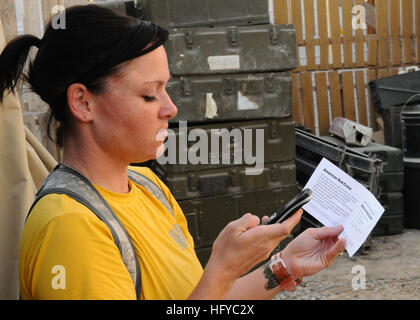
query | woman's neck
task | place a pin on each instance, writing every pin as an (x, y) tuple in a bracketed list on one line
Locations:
[(101, 169)]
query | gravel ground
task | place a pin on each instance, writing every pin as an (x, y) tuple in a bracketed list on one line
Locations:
[(391, 265)]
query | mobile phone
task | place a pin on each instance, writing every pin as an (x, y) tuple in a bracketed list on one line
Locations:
[(290, 208)]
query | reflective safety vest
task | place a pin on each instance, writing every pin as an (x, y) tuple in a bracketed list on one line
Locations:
[(65, 180)]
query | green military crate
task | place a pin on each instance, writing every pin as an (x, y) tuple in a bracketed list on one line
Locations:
[(391, 181), (192, 13), (392, 220), (222, 145), (187, 13), (127, 7), (232, 180), (389, 225), (392, 177), (393, 202), (208, 216), (250, 49), (231, 97), (392, 158)]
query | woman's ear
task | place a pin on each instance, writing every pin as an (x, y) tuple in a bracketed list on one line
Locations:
[(79, 100)]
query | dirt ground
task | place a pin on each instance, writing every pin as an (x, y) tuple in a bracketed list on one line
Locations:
[(391, 265)]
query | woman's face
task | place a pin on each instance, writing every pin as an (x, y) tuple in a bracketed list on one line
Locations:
[(131, 116)]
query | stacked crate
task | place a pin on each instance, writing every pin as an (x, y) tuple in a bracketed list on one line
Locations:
[(391, 182), (229, 72)]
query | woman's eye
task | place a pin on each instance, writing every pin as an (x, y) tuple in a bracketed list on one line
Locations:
[(149, 99)]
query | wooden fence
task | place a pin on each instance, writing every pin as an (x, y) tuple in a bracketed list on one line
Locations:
[(342, 56)]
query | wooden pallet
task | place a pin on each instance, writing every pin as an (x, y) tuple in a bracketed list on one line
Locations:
[(336, 84)]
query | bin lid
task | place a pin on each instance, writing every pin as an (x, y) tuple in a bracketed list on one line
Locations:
[(412, 162), (411, 111)]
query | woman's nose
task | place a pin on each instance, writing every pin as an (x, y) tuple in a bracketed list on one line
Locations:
[(168, 109)]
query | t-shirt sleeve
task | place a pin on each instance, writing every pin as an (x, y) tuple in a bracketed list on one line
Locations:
[(78, 259)]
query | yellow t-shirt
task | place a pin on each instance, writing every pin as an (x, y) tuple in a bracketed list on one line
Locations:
[(66, 252)]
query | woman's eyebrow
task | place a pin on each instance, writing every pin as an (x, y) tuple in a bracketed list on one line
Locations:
[(152, 82), (157, 81)]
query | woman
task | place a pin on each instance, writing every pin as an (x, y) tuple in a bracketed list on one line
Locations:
[(104, 77)]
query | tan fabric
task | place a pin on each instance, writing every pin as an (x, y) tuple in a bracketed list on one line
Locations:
[(24, 163), (40, 161)]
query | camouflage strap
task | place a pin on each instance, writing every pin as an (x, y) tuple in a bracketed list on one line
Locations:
[(65, 180), (151, 187)]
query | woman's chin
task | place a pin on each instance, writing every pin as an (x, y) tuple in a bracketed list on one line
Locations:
[(151, 155)]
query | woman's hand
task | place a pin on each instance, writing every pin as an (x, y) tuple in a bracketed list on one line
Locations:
[(313, 250), (244, 243), (241, 245)]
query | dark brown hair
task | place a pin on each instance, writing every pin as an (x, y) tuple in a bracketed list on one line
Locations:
[(91, 47)]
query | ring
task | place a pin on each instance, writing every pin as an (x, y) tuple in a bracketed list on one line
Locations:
[(341, 253)]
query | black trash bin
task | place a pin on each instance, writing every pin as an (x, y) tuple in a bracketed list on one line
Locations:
[(411, 193), (410, 123)]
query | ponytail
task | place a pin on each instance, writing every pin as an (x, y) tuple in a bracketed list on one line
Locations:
[(12, 62)]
